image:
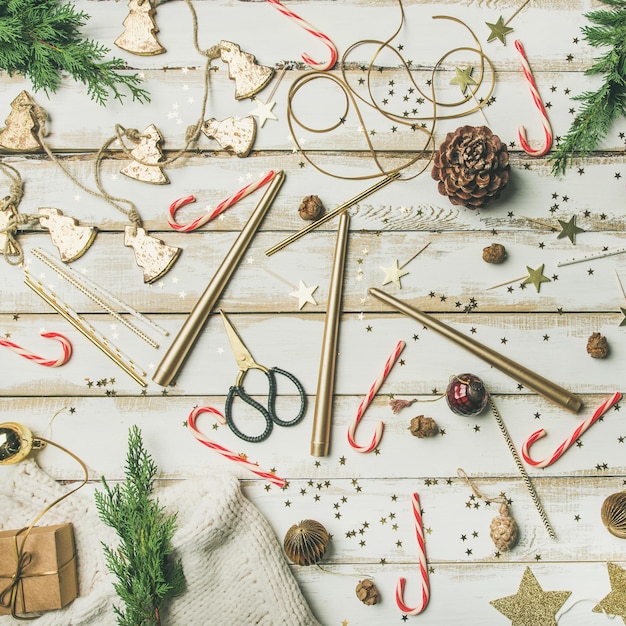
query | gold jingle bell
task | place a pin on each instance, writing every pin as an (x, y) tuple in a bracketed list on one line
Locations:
[(16, 443)]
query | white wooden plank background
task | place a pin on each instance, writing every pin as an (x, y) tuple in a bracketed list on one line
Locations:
[(347, 491)]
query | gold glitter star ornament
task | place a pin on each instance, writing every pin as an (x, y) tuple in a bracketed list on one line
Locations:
[(531, 605), (615, 602)]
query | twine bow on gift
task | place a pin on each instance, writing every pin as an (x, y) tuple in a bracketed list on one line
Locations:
[(10, 594)]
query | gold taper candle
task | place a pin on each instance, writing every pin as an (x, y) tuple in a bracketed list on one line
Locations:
[(332, 214), (521, 374), (320, 437), (184, 340)]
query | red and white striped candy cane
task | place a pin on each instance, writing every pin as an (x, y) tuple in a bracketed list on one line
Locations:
[(62, 339), (547, 129), (225, 452), (316, 33), (419, 531), (221, 207), (378, 432), (600, 411)]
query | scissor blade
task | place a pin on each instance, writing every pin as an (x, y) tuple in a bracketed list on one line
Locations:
[(242, 355)]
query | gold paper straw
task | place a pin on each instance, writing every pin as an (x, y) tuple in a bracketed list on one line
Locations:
[(187, 335), (521, 374), (320, 437), (331, 214), (87, 331)]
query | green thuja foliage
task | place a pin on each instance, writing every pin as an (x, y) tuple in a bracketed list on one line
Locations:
[(40, 39), (146, 574), (599, 108)]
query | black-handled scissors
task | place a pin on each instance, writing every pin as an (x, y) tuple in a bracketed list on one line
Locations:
[(245, 362)]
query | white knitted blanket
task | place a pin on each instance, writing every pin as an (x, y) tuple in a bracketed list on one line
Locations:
[(235, 570)]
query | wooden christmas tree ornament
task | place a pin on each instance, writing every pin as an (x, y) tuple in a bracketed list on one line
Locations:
[(305, 543), (613, 514), (151, 254), (70, 238), (233, 134), (139, 36), (8, 215), (147, 154), (249, 76), (20, 132)]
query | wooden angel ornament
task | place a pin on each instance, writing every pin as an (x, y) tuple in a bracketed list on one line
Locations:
[(147, 154), (139, 36)]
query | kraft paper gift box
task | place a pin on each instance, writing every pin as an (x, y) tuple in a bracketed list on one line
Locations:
[(48, 578)]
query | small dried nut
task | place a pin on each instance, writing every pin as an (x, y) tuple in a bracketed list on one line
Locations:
[(311, 208), (495, 253), (597, 346), (423, 427), (367, 592)]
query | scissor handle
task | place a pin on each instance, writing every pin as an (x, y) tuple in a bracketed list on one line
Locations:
[(238, 390), (271, 397)]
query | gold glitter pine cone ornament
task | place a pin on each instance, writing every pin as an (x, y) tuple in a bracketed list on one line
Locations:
[(613, 514), (472, 166), (305, 543), (503, 530)]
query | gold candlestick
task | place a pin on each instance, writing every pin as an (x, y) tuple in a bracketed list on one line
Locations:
[(320, 438), (521, 374), (184, 340)]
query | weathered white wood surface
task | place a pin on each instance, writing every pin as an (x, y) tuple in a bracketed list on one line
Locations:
[(362, 499)]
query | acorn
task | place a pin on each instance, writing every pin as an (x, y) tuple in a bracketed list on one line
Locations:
[(305, 543), (503, 530), (367, 592), (466, 395)]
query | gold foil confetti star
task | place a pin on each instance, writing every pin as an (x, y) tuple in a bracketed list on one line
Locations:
[(463, 78), (569, 229), (536, 277), (499, 30), (615, 602), (304, 294), (393, 274), (531, 604)]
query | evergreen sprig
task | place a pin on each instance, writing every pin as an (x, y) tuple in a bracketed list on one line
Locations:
[(41, 38), (146, 574), (601, 107)]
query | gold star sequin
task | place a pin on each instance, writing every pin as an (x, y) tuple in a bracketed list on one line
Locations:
[(499, 30), (463, 78), (569, 229), (536, 277), (531, 604), (615, 602)]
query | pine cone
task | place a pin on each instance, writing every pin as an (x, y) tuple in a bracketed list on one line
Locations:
[(495, 253), (311, 208), (597, 346), (503, 530), (423, 427), (472, 166), (367, 592)]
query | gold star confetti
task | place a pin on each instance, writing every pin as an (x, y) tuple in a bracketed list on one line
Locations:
[(393, 274), (304, 294), (499, 30), (536, 277), (463, 78), (569, 229), (531, 604), (615, 602)]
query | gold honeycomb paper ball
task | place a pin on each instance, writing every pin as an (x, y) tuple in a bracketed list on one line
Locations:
[(613, 514), (305, 543)]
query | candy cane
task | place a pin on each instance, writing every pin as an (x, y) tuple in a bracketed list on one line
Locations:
[(601, 410), (221, 207), (240, 460), (316, 33), (378, 432), (64, 358), (547, 129), (419, 531)]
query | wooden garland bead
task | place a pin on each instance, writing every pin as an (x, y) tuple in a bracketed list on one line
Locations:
[(503, 530), (305, 543), (613, 514), (367, 592)]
